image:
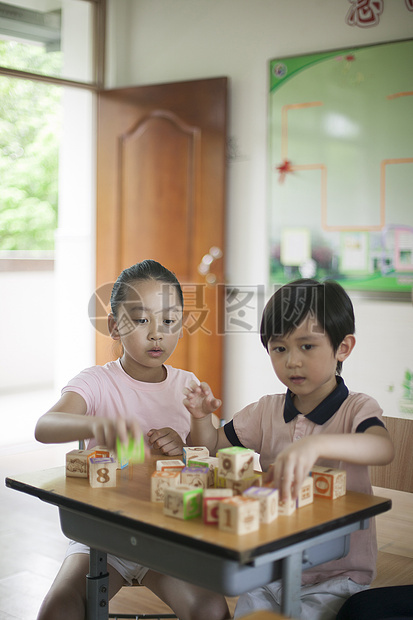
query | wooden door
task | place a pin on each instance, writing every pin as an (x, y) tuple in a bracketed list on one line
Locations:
[(161, 169)]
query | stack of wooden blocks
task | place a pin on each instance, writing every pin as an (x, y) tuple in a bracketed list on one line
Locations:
[(98, 464), (227, 491), (224, 489)]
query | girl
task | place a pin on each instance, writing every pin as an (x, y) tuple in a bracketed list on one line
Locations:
[(135, 394)]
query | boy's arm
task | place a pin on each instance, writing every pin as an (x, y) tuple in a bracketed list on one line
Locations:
[(66, 421), (201, 403), (373, 447)]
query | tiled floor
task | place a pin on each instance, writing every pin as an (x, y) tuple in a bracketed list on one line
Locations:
[(31, 542), (32, 545)]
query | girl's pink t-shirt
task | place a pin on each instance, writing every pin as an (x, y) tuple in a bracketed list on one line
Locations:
[(110, 392)]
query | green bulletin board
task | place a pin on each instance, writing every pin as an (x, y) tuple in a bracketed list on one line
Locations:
[(341, 167)]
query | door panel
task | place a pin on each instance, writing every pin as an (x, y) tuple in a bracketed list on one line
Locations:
[(158, 162), (161, 194)]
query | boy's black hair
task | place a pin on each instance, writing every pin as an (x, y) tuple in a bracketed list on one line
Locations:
[(146, 270), (326, 302)]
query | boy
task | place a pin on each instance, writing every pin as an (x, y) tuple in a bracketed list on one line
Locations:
[(308, 330)]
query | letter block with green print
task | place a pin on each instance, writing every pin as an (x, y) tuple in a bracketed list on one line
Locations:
[(183, 502)]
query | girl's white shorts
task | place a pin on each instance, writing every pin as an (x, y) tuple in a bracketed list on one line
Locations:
[(130, 571)]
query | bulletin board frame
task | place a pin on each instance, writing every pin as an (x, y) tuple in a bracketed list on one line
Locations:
[(341, 168)]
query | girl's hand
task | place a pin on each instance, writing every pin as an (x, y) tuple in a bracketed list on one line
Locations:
[(166, 440), (292, 466), (106, 430), (200, 400)]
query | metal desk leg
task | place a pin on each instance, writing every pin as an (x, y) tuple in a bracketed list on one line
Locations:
[(291, 585), (97, 587)]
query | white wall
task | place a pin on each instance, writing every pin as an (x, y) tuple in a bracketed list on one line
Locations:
[(74, 343), (156, 41), (27, 329)]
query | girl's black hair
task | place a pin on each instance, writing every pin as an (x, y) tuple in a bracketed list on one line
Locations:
[(326, 302), (146, 270)]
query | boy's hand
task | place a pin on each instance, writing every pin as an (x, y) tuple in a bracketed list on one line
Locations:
[(292, 466), (200, 400), (166, 440)]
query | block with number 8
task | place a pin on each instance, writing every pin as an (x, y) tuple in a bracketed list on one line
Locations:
[(102, 472)]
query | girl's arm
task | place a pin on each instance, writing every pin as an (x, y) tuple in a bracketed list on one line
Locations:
[(292, 465), (201, 404), (166, 441), (66, 421)]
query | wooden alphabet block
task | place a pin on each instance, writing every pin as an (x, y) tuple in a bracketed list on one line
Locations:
[(306, 492), (170, 465), (328, 482), (286, 507), (268, 498), (207, 461), (195, 476), (133, 451), (235, 463), (162, 480), (239, 514), (77, 463), (239, 486), (102, 472), (100, 451), (211, 501), (183, 502), (121, 462), (192, 452)]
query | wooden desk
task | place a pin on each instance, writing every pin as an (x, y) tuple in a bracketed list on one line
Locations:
[(122, 520)]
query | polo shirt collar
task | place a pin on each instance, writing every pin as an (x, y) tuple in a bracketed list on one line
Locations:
[(324, 411)]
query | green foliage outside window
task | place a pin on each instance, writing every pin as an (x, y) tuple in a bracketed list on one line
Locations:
[(30, 124)]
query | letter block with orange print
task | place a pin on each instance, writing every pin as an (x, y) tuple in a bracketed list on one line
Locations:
[(193, 452), (286, 507), (328, 482), (170, 465), (306, 492), (239, 514), (162, 480)]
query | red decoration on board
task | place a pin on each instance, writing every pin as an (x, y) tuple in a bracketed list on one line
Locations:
[(365, 13), (284, 169), (409, 4)]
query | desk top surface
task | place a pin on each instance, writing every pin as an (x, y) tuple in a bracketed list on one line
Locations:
[(128, 504)]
